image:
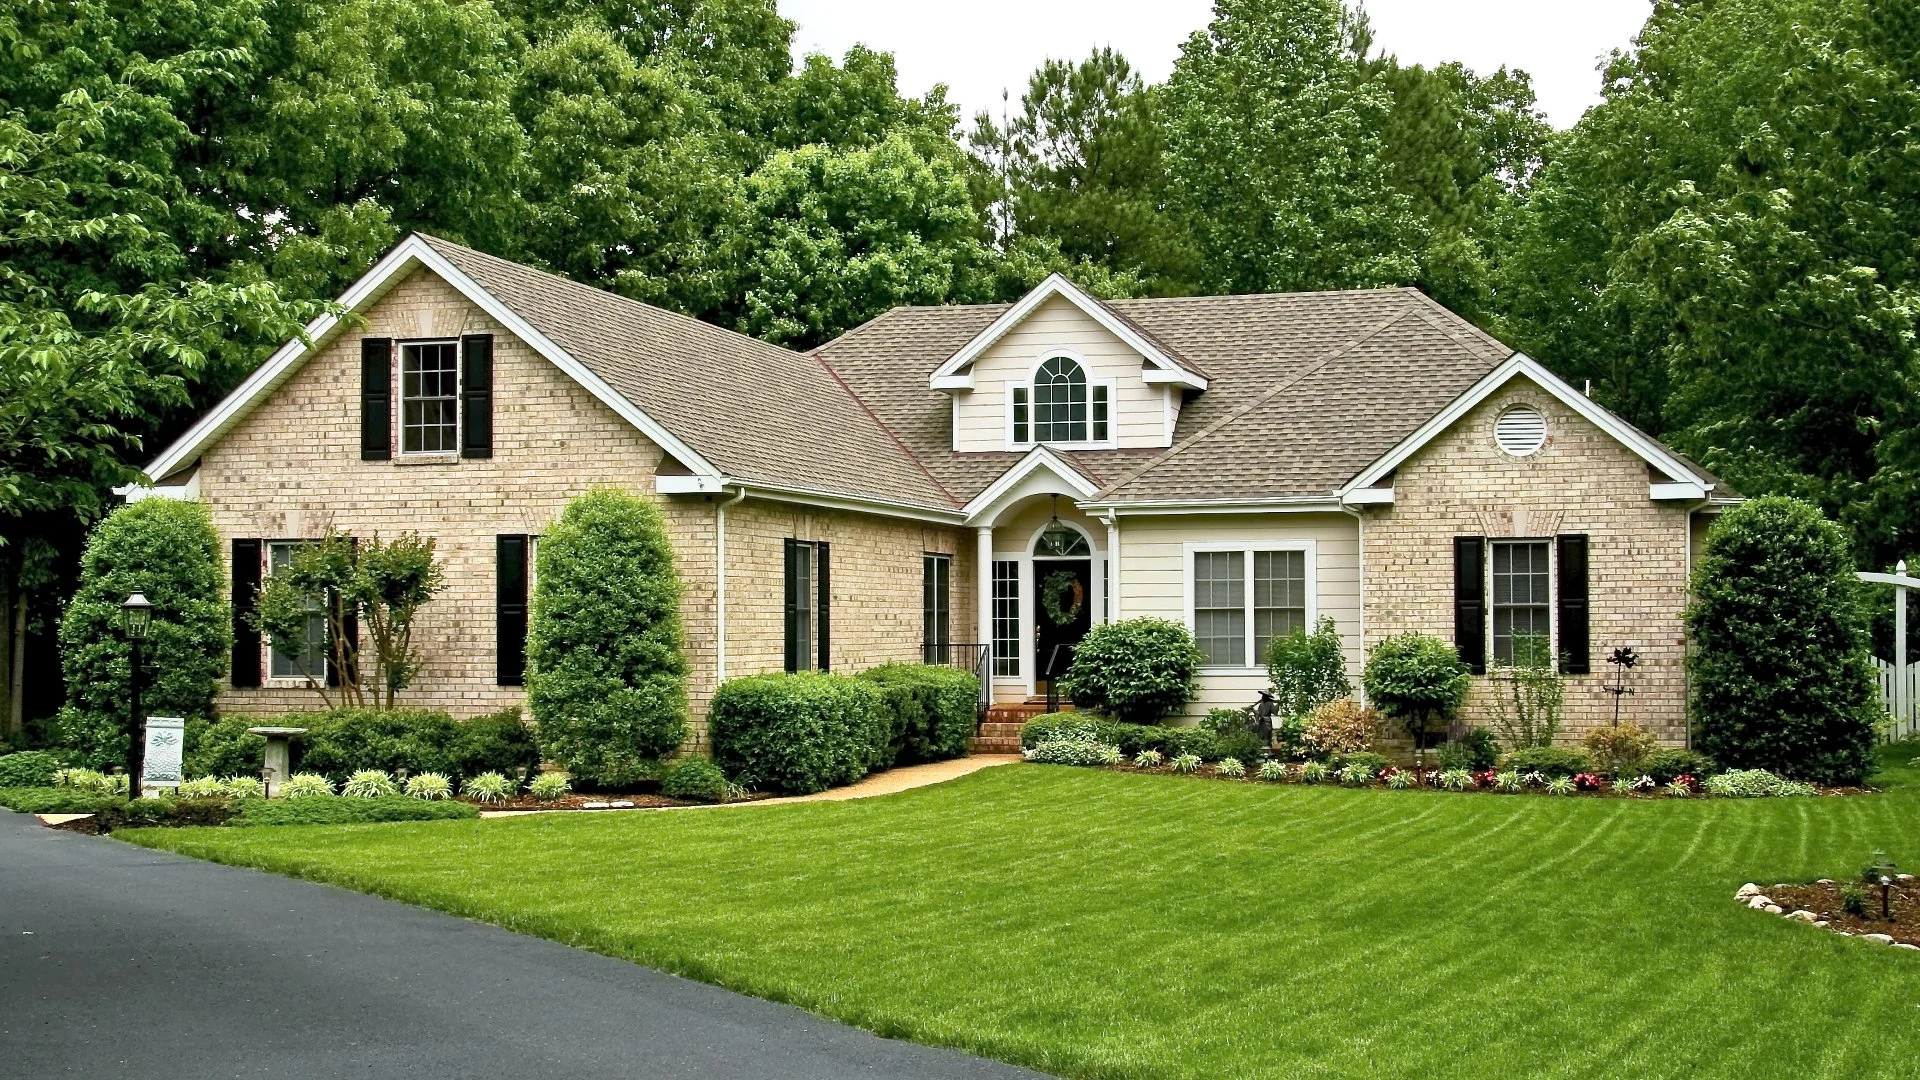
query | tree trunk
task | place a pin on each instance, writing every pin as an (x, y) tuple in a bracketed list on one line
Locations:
[(17, 670), (13, 618)]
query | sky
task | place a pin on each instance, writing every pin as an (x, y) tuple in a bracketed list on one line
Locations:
[(981, 47)]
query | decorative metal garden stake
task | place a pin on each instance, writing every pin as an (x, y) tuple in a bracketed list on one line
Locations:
[(136, 616), (1622, 659), (1881, 872)]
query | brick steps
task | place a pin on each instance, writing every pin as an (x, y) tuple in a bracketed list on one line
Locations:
[(1000, 733)]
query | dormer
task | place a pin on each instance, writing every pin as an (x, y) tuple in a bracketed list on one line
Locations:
[(1060, 369)]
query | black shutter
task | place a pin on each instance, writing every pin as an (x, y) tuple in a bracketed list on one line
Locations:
[(1576, 648), (246, 600), (824, 604), (510, 610), (376, 399), (1470, 601), (476, 392), (794, 614), (349, 641)]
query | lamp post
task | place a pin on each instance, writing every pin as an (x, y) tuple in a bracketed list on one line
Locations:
[(136, 617)]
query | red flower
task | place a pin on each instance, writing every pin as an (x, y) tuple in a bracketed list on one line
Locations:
[(1688, 781), (1586, 781), (1484, 778)]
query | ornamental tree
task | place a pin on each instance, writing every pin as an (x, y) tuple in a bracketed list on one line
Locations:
[(606, 658), (1140, 671), (373, 586), (1780, 669), (1417, 680), (1308, 670)]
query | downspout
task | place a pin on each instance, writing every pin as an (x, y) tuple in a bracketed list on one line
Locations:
[(1360, 524), (720, 583)]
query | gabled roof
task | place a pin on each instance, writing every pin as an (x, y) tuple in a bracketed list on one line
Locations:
[(727, 407), (1162, 364)]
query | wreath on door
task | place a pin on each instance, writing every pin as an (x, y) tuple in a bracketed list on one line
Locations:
[(1063, 596)]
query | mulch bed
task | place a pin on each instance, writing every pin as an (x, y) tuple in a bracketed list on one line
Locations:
[(1823, 899)]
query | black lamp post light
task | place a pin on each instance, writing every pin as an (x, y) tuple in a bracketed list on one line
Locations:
[(136, 619)]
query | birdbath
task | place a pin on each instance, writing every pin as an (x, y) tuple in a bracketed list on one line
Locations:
[(277, 760)]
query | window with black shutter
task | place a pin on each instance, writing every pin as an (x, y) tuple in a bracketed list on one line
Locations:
[(376, 399), (808, 592), (246, 600), (1470, 601), (1576, 648), (511, 553)]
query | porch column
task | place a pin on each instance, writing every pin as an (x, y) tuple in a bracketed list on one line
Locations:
[(1113, 565), (983, 586)]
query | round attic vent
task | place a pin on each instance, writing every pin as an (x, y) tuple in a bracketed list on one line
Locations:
[(1521, 430)]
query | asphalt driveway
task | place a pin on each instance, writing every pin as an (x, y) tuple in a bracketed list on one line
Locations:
[(119, 961)]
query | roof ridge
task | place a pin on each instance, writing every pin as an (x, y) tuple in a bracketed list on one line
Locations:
[(1265, 396), (1194, 297), (1456, 325)]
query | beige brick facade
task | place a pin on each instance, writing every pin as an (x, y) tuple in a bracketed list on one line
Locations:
[(1582, 481), (292, 469)]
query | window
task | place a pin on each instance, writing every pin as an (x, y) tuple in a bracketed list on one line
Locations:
[(1522, 602), (1021, 430), (429, 397), (1060, 401), (1006, 618), (1100, 413), (1242, 598), (1061, 542), (808, 594), (306, 658), (936, 610)]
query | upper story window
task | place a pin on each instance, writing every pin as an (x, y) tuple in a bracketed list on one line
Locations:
[(429, 397), (1062, 405)]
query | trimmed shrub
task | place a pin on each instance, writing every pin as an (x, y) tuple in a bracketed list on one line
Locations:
[(1664, 765), (1417, 680), (1339, 727), (1549, 761), (695, 779), (169, 551), (1241, 744), (1781, 674), (931, 711), (606, 659), (1138, 670), (173, 813), (224, 747), (1365, 760), (1195, 741), (1621, 750), (1308, 670), (348, 811), (57, 800), (797, 733), (29, 768), (340, 743), (496, 742), (1476, 752)]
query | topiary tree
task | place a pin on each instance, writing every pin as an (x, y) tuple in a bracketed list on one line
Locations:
[(1781, 676), (1308, 670), (169, 551), (1417, 680), (606, 661), (1136, 670)]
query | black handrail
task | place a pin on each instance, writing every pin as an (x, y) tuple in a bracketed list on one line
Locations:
[(1054, 668)]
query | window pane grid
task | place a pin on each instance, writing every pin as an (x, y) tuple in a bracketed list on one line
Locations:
[(429, 397), (1522, 601), (936, 610), (1279, 597), (310, 658), (1219, 606), (1060, 402), (1006, 618)]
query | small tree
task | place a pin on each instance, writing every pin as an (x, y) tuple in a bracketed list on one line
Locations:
[(169, 551), (1417, 680), (1308, 670), (606, 662), (1138, 670), (377, 585), (1782, 679), (1528, 696)]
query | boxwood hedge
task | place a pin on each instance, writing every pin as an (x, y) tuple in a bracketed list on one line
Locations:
[(931, 711), (798, 733)]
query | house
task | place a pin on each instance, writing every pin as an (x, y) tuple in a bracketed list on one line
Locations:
[(941, 480)]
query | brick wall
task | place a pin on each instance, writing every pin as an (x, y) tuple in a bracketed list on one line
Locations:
[(1582, 481), (291, 469)]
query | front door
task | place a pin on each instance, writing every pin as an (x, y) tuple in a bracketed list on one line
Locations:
[(1062, 612)]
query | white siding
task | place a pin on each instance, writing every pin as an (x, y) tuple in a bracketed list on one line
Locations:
[(1140, 415), (1153, 579)]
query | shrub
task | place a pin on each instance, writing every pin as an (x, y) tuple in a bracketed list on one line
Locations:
[(488, 787), (1272, 771), (29, 768), (369, 784), (1308, 669), (1186, 763), (797, 733), (1621, 749), (243, 787), (1477, 752), (168, 550), (495, 742), (1363, 759), (1242, 744), (1527, 699), (305, 785), (223, 747), (149, 813), (695, 779), (1313, 772), (1417, 680), (1076, 752), (429, 785), (1549, 761), (931, 711), (1754, 784), (1853, 899), (1138, 670), (1148, 759), (348, 811), (1665, 765), (1231, 766), (606, 660), (205, 787), (1130, 738), (1340, 727), (1289, 736), (1197, 741), (57, 800), (1780, 670), (345, 741), (549, 786)]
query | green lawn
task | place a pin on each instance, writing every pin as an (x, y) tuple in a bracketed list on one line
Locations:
[(1104, 925)]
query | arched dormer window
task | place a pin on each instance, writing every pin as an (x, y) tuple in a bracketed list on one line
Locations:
[(1065, 407)]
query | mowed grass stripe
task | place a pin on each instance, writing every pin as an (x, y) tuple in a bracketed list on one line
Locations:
[(1109, 925)]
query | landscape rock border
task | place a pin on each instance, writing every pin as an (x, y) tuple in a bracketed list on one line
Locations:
[(1755, 897)]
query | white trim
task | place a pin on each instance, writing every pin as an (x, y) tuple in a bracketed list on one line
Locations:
[(372, 285), (945, 376), (187, 492), (687, 484), (1248, 548), (1077, 486), (1303, 505), (1553, 594), (1521, 364), (832, 501), (1030, 592), (1112, 386), (1373, 496), (1682, 491), (397, 381)]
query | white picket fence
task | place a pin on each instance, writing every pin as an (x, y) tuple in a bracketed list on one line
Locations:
[(1903, 726)]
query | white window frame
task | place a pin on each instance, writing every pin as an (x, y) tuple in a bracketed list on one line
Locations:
[(1113, 406), (267, 677), (1553, 594), (1255, 665), (400, 398)]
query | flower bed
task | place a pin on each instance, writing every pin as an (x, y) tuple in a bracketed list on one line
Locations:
[(1827, 904)]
